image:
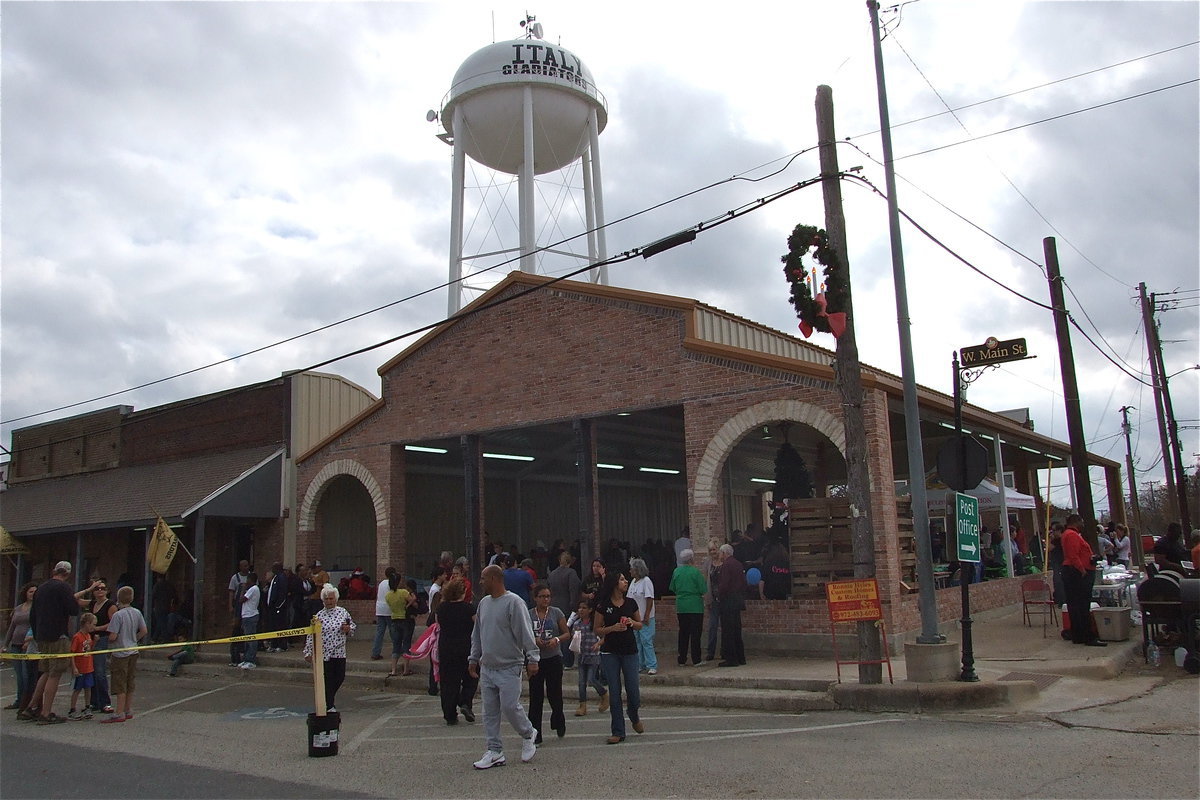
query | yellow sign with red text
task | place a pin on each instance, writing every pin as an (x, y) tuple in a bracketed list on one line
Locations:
[(853, 601)]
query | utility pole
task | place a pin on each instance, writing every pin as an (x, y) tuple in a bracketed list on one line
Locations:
[(1079, 461), (1153, 348), (1181, 481), (1139, 556), (848, 375), (912, 415)]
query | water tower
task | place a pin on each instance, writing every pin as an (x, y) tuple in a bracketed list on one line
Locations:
[(525, 108)]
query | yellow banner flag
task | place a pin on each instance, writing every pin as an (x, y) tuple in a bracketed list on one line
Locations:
[(163, 546)]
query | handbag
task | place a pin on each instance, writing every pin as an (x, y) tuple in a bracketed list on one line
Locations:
[(576, 645)]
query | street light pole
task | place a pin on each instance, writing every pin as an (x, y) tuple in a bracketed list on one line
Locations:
[(912, 415)]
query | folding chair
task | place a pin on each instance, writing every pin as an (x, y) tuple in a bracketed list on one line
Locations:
[(1037, 599)]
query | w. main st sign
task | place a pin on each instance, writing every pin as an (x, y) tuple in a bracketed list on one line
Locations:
[(993, 351)]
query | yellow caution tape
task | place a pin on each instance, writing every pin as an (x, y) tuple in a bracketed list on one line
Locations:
[(249, 637)]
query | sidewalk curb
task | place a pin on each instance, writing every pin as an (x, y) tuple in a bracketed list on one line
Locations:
[(923, 697)]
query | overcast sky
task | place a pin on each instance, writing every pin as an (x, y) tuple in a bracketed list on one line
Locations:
[(186, 182)]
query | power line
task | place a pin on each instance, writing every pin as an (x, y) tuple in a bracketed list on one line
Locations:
[(982, 136), (733, 178), (1006, 288), (970, 222), (1004, 174), (947, 248), (1095, 327), (643, 251), (1031, 88)]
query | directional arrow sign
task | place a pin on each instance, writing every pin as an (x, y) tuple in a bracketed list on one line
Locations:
[(966, 518)]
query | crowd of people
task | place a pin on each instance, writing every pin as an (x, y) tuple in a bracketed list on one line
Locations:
[(99, 653)]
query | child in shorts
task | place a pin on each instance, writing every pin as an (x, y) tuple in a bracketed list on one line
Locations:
[(83, 667)]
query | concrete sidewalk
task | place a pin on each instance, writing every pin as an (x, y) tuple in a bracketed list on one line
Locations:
[(1019, 669)]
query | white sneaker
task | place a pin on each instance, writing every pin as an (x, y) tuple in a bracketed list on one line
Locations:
[(249, 665), (651, 672), (490, 759), (529, 747)]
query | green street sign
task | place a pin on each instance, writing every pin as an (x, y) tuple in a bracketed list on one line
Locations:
[(966, 518)]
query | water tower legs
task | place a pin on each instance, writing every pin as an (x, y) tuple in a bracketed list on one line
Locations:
[(458, 172), (525, 185), (594, 199)]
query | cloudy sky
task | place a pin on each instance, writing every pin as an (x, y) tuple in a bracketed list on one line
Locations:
[(186, 182)]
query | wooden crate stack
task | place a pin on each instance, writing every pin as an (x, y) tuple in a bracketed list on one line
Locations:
[(820, 543)]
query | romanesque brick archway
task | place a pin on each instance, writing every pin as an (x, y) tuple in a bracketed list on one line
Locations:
[(708, 472), (332, 470)]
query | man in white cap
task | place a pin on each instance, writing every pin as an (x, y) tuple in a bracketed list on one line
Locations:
[(49, 619)]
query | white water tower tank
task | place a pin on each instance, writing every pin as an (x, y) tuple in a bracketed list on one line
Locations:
[(524, 107)]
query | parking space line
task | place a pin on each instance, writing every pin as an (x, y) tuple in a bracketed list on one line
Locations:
[(378, 723), (189, 699), (652, 738)]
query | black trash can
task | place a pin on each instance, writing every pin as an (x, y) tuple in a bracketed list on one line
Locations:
[(323, 734)]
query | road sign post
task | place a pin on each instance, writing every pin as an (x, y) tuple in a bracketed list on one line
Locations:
[(966, 523)]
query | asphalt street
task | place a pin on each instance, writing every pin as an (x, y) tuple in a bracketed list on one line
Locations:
[(225, 736)]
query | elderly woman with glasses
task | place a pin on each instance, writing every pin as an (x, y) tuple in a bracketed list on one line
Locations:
[(550, 632), (336, 627)]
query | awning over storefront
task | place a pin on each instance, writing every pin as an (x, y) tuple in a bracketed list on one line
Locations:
[(988, 494), (241, 483)]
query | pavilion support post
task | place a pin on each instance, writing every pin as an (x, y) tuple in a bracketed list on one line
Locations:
[(472, 450)]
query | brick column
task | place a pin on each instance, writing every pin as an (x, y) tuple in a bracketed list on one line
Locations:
[(391, 538)]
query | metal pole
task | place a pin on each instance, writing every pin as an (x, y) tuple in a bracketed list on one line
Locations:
[(968, 646), (457, 189), (525, 186), (198, 579), (585, 486), (912, 420), (598, 195), (1005, 531), (1079, 457)]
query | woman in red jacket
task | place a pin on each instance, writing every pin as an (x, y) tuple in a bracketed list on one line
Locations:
[(1078, 573)]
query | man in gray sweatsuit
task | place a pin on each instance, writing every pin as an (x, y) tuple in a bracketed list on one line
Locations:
[(502, 644)]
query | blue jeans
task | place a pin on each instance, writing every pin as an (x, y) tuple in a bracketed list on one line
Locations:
[(617, 667), (647, 659), (714, 627), (382, 624), (590, 673), (180, 658), (250, 626), (100, 695), (20, 673)]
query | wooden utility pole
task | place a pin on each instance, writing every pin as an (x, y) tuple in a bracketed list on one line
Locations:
[(1079, 460), (848, 377), (1154, 349), (1175, 446), (1136, 536)]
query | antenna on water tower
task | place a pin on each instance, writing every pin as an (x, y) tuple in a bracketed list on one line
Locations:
[(523, 108)]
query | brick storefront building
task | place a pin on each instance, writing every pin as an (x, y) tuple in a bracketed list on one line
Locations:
[(218, 468), (571, 410)]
